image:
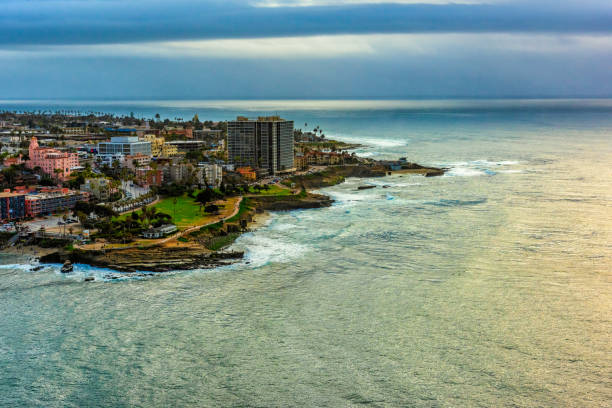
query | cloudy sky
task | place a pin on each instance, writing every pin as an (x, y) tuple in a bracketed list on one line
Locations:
[(227, 49)]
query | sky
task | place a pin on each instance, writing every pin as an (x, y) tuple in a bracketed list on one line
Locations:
[(304, 49)]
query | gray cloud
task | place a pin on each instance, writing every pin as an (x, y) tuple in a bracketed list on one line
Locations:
[(40, 22)]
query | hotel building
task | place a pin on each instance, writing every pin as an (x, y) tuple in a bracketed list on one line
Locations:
[(49, 160)]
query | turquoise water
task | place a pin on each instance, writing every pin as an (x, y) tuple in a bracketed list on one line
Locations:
[(490, 286)]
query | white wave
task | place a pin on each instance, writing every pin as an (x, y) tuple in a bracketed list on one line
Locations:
[(21, 267), (481, 163), (479, 168), (393, 182), (369, 141), (82, 271), (350, 199), (403, 184), (282, 226), (464, 172), (366, 154), (494, 163), (261, 251)]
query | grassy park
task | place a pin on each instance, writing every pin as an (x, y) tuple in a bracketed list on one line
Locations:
[(186, 212), (273, 190)]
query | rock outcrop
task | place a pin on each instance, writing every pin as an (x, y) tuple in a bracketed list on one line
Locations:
[(154, 259), (293, 202)]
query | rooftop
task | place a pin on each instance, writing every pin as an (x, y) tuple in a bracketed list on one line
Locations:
[(260, 119), (9, 194)]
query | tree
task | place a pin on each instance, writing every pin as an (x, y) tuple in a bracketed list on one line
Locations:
[(65, 219), (57, 172), (194, 155), (211, 208), (204, 196), (82, 217), (207, 195)]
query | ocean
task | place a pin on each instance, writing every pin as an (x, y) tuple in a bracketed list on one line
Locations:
[(488, 287)]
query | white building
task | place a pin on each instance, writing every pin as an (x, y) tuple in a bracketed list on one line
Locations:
[(159, 232), (211, 174), (124, 145)]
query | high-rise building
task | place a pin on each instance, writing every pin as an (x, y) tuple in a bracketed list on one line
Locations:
[(265, 143)]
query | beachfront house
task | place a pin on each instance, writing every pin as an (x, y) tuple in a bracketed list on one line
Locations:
[(159, 232)]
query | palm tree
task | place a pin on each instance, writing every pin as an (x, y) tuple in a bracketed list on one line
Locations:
[(82, 217), (65, 219)]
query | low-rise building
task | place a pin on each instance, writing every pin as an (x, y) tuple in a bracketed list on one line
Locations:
[(185, 146), (157, 144), (300, 161), (50, 201), (12, 161), (75, 130), (134, 161), (124, 145), (317, 158), (146, 176), (159, 232), (169, 150), (178, 173), (175, 131), (247, 173)]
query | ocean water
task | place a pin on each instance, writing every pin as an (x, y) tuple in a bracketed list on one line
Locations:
[(488, 287)]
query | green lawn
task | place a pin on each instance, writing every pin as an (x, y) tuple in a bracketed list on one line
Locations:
[(187, 210), (273, 191)]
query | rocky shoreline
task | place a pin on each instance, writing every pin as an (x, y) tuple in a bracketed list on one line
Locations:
[(164, 258), (152, 259)]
